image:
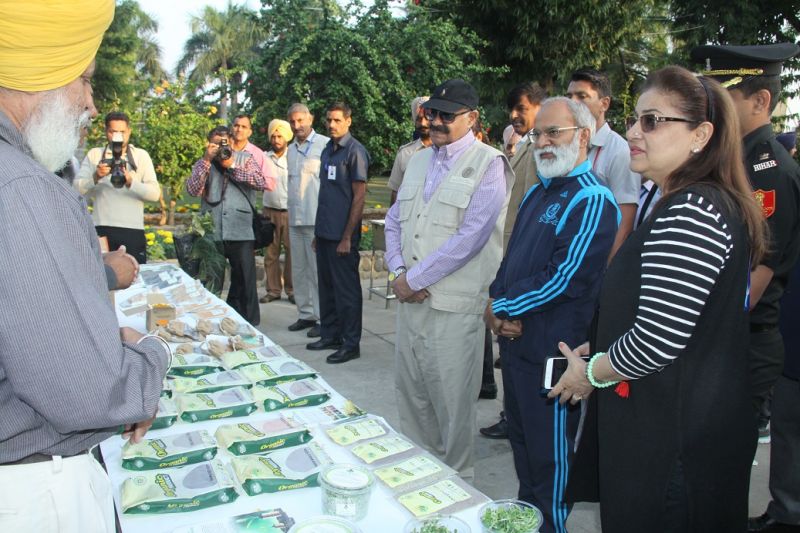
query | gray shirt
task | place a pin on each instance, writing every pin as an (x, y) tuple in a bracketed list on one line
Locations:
[(66, 380)]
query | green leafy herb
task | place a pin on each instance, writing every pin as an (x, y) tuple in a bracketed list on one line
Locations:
[(511, 519), (433, 526)]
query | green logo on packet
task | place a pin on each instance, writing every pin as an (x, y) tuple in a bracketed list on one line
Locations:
[(159, 447), (165, 483)]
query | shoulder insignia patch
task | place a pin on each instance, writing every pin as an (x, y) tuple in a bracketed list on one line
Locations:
[(765, 199), (765, 165), (549, 216), (564, 194), (764, 156)]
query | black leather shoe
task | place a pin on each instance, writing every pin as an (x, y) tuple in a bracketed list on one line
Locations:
[(324, 344), (343, 356), (489, 393), (291, 298), (314, 331), (496, 431), (302, 324), (767, 524)]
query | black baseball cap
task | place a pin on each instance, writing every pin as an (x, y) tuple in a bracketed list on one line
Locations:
[(731, 64), (452, 96)]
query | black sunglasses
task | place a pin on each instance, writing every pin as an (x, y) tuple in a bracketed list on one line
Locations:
[(446, 118), (649, 121)]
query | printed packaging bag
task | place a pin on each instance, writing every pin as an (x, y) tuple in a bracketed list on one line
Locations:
[(262, 436), (302, 393), (277, 371), (178, 490), (281, 470), (174, 450), (215, 405)]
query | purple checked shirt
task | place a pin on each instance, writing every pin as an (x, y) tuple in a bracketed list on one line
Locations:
[(476, 227)]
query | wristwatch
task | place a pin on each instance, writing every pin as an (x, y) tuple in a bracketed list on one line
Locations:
[(397, 273)]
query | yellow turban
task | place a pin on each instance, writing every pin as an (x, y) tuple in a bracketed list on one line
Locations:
[(282, 127), (45, 44)]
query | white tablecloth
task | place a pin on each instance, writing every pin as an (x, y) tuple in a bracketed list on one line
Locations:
[(386, 515)]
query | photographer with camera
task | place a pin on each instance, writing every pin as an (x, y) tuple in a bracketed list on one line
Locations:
[(119, 178), (227, 181)]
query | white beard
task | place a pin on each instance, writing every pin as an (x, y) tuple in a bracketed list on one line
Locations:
[(53, 131), (566, 156)]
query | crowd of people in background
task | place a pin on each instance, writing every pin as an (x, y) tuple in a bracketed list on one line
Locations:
[(653, 267)]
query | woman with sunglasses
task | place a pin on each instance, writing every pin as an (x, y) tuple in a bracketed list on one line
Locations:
[(671, 418)]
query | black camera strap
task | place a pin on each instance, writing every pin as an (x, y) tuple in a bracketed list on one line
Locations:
[(224, 174)]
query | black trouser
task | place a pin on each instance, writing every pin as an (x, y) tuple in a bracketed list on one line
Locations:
[(242, 294), (133, 239), (766, 363), (784, 452), (487, 378), (340, 299)]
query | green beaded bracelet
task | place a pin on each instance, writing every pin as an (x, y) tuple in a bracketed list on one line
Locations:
[(590, 374)]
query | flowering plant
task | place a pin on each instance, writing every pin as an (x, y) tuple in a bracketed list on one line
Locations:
[(160, 244)]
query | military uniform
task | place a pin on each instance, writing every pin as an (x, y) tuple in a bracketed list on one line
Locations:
[(775, 178)]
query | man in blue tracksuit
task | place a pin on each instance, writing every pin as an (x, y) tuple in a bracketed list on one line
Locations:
[(545, 292)]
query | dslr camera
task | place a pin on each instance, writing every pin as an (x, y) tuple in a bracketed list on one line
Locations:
[(117, 164), (225, 151)]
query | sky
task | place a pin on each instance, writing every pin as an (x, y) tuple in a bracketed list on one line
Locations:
[(173, 22)]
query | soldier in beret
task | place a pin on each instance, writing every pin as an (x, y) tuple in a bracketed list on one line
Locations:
[(752, 75)]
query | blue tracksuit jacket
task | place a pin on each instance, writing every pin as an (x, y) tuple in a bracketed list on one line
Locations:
[(551, 274)]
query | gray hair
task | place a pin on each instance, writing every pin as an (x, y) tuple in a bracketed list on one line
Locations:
[(580, 113), (297, 108)]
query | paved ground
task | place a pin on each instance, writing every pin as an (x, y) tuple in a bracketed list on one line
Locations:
[(369, 382)]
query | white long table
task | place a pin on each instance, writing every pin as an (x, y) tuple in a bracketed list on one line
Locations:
[(385, 515)]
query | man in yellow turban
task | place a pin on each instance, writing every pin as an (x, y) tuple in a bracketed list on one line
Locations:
[(276, 209), (81, 376)]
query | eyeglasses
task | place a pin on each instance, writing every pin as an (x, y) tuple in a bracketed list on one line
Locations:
[(649, 122), (550, 133), (446, 118)]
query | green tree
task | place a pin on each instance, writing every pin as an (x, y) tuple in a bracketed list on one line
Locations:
[(221, 45), (128, 60), (174, 134), (366, 57)]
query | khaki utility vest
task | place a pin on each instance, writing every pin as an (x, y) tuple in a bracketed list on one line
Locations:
[(424, 227)]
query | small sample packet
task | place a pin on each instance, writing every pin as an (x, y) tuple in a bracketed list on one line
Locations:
[(216, 405), (418, 470), (231, 327), (377, 450), (281, 470), (300, 393), (349, 433), (277, 371), (211, 382), (177, 490), (447, 496), (166, 415), (247, 342), (166, 452), (262, 436), (334, 411), (192, 365)]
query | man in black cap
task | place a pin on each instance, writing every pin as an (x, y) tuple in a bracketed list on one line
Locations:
[(752, 75), (444, 242)]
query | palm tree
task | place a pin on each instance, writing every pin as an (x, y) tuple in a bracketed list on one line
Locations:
[(221, 45)]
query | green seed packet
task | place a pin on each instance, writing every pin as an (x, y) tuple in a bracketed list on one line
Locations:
[(413, 470), (302, 393), (281, 470), (193, 365), (351, 432), (435, 498), (166, 452), (239, 358), (166, 415), (178, 490), (261, 436), (227, 403), (279, 370), (378, 449), (211, 382)]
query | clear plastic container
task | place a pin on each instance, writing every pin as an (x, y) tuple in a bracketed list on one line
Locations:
[(325, 524), (504, 526), (346, 490), (450, 523)]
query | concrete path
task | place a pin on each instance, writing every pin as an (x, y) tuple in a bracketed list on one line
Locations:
[(369, 382)]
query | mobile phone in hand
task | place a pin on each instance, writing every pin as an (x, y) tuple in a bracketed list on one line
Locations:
[(554, 368)]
